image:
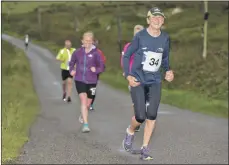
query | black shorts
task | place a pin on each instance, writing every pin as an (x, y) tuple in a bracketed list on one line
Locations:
[(26, 44), (90, 89), (65, 74)]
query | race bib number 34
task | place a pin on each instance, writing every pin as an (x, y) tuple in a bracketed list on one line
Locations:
[(152, 61)]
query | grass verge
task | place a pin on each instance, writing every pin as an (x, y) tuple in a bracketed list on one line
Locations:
[(20, 103)]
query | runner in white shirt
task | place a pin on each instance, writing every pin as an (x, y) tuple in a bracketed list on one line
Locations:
[(26, 41)]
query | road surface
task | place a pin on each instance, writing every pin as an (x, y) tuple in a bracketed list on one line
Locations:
[(181, 136)]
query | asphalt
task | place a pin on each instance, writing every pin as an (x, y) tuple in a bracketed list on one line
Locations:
[(181, 136)]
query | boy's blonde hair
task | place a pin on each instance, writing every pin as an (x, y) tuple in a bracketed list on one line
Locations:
[(138, 28)]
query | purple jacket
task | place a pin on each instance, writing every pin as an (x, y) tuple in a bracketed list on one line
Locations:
[(84, 61)]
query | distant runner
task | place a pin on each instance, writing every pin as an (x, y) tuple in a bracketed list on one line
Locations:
[(137, 28), (89, 64), (151, 48), (64, 56), (26, 41), (104, 60)]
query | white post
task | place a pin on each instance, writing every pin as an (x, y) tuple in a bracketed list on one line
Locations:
[(205, 29), (39, 20)]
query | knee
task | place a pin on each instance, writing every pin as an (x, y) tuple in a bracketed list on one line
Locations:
[(83, 99), (140, 119), (69, 82), (140, 114), (152, 116)]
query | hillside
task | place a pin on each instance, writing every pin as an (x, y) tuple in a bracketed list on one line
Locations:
[(195, 78)]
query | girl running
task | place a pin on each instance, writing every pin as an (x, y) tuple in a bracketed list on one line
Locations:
[(89, 64)]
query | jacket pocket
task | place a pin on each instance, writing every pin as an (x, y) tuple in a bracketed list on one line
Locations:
[(91, 76)]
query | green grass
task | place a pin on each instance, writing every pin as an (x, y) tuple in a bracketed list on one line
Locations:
[(20, 104), (22, 7), (195, 78)]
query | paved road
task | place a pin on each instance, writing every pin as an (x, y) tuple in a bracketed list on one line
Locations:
[(181, 136)]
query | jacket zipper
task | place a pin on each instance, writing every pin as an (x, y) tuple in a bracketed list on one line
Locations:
[(84, 69)]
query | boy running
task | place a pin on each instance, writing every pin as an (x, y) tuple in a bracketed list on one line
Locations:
[(151, 48)]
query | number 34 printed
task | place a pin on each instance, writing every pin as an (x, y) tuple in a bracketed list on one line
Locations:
[(153, 62)]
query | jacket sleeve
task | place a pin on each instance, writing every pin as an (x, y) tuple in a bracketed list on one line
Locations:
[(130, 50), (123, 52), (165, 57), (73, 61), (100, 67), (102, 55)]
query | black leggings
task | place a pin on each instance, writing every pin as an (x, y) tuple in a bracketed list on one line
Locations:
[(138, 94)]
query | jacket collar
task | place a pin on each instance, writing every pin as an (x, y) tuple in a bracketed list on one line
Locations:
[(92, 48)]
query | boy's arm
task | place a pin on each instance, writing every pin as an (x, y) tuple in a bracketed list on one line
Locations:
[(165, 58)]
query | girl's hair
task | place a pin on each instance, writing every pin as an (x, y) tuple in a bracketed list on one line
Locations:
[(89, 33), (138, 28)]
